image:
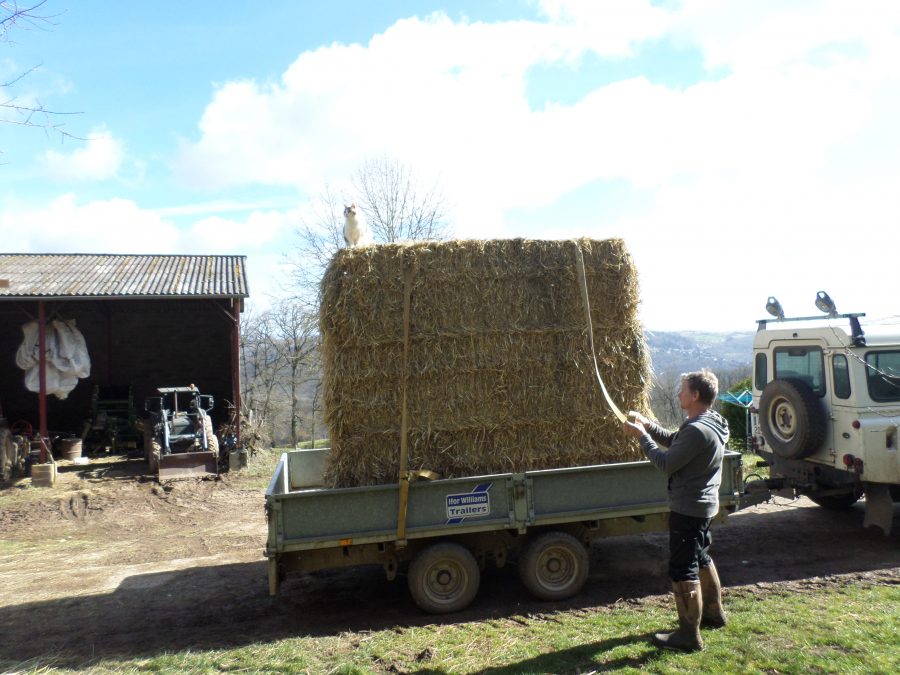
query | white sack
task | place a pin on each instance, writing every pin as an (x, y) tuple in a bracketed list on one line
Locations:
[(67, 357)]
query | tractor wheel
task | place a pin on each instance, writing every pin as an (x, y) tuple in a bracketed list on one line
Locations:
[(792, 418), (212, 441), (444, 578), (20, 454), (7, 455), (554, 566)]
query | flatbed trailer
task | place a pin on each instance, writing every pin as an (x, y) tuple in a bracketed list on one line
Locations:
[(449, 530)]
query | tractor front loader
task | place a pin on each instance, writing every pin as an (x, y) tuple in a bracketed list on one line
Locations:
[(179, 441)]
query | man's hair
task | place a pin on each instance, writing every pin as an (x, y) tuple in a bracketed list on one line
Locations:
[(705, 383)]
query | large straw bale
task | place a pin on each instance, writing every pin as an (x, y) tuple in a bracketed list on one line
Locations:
[(498, 375)]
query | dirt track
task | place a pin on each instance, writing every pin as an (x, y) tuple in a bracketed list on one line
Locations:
[(109, 563)]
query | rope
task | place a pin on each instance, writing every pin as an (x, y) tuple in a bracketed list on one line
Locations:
[(579, 259)]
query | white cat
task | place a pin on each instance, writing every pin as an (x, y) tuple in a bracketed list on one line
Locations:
[(356, 232)]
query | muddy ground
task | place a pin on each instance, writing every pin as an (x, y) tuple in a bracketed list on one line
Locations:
[(108, 563)]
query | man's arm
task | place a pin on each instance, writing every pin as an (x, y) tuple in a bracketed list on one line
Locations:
[(679, 454), (662, 436)]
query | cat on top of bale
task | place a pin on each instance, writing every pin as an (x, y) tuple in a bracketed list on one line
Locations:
[(356, 231)]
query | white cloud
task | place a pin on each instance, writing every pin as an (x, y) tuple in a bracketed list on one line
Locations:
[(451, 97), (215, 234), (612, 28), (98, 159), (784, 162), (122, 226), (66, 226)]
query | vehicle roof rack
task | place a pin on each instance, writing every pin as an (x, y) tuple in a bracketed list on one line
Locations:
[(856, 331)]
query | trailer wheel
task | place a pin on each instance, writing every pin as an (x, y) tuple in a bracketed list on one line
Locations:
[(554, 566), (444, 578), (791, 418)]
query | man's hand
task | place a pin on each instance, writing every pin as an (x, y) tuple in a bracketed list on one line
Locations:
[(637, 418), (635, 425)]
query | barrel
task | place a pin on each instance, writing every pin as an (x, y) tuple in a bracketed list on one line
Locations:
[(71, 448)]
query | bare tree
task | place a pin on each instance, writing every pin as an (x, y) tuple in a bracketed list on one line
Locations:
[(12, 111), (317, 240), (261, 365), (664, 399), (297, 340), (396, 207), (12, 14)]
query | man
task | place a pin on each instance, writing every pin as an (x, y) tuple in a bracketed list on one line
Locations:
[(693, 464)]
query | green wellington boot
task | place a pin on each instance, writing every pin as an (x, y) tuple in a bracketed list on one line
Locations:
[(689, 603), (713, 615)]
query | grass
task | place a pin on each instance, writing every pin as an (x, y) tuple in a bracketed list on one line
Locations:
[(261, 466), (318, 443), (841, 629)]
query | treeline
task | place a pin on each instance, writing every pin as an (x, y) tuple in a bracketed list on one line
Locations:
[(281, 372)]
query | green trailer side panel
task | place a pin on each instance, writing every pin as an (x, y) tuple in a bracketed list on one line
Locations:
[(371, 512), (595, 489), (317, 518)]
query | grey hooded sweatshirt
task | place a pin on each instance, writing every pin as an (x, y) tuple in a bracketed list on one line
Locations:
[(693, 462)]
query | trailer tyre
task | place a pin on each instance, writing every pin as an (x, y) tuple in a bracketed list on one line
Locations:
[(554, 566), (444, 578), (791, 418)]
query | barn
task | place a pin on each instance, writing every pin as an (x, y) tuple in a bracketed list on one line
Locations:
[(147, 321)]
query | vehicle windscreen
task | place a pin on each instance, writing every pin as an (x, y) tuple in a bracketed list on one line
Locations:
[(883, 375), (801, 363)]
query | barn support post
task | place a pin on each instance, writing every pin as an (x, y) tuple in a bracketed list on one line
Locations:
[(42, 378), (236, 366)]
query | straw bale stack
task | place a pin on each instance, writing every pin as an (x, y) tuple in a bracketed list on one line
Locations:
[(497, 373)]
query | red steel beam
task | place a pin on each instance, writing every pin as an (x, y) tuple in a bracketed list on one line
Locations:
[(42, 376), (236, 366)]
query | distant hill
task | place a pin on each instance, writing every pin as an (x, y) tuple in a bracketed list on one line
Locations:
[(690, 350)]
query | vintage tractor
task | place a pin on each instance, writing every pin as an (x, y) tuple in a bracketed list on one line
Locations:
[(178, 440), (112, 426)]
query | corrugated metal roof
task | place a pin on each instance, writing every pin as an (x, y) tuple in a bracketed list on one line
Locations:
[(84, 275)]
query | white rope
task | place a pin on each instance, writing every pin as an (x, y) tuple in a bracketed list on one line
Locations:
[(587, 313)]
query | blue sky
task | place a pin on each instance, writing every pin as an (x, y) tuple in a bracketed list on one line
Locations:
[(741, 148)]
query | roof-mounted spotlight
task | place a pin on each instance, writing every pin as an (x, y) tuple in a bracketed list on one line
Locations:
[(824, 303), (773, 307)]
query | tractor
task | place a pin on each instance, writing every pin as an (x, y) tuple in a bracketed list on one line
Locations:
[(178, 440)]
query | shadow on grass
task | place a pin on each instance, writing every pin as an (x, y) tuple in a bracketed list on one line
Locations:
[(588, 657)]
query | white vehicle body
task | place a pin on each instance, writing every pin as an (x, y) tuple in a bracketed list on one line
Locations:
[(826, 412)]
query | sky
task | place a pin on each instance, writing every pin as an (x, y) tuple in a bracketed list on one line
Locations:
[(741, 148)]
